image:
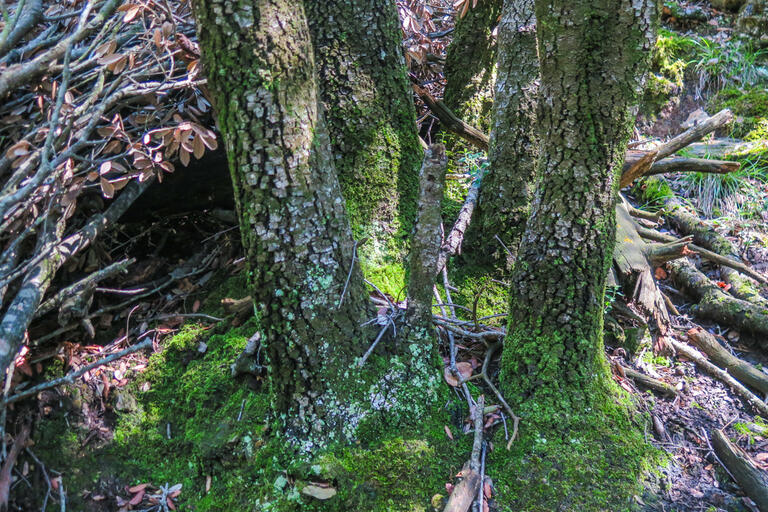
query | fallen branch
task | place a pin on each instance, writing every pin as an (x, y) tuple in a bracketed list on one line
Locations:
[(715, 304), (651, 234), (722, 375), (452, 244), (70, 377), (451, 122), (751, 479), (465, 491), (639, 163), (679, 164), (741, 370), (5, 473), (649, 382)]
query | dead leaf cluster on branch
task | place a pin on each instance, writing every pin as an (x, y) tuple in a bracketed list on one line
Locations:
[(99, 98)]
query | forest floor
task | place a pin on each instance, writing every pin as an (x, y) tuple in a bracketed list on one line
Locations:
[(168, 428)]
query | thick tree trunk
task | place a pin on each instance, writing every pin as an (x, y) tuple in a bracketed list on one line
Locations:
[(470, 64), (592, 56), (297, 239), (369, 113), (507, 188)]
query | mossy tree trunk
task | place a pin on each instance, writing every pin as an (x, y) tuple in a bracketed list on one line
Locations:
[(506, 190), (470, 65), (592, 56), (371, 119), (298, 243)]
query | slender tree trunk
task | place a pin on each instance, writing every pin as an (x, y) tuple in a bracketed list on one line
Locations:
[(592, 57), (470, 64), (506, 190), (371, 118), (298, 243)]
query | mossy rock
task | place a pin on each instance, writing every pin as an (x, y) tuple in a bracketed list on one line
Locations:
[(753, 20), (749, 106)]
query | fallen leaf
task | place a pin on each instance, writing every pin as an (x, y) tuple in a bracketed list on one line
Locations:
[(448, 432), (465, 370), (762, 456), (138, 498), (660, 273)]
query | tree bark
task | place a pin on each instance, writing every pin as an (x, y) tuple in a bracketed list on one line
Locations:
[(470, 64), (298, 243), (507, 188), (592, 57), (369, 113)]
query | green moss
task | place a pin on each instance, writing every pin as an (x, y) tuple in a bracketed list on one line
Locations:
[(654, 191), (749, 107), (669, 60), (581, 445)]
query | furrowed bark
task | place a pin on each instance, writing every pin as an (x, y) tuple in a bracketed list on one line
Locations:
[(564, 257), (470, 62), (296, 235), (370, 117), (507, 189)]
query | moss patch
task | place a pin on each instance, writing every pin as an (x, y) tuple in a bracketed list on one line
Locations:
[(749, 106)]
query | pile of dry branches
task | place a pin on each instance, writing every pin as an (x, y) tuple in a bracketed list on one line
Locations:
[(97, 99)]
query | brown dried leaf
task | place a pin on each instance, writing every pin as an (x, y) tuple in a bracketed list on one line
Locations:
[(448, 432), (107, 189), (198, 147), (184, 156), (131, 13)]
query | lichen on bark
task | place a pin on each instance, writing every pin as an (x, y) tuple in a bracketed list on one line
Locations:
[(592, 56), (507, 187)]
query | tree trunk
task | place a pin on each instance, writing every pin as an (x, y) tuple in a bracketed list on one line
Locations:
[(592, 56), (507, 188), (470, 64), (297, 239), (370, 117)]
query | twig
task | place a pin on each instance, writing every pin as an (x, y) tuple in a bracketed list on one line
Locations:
[(349, 275), (73, 375)]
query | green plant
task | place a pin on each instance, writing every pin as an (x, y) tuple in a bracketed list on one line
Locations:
[(720, 64)]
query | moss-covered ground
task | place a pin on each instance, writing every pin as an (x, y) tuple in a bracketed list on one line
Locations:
[(185, 419)]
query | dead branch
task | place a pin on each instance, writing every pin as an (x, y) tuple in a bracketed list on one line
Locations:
[(425, 242), (465, 491), (70, 377), (741, 370), (451, 122), (5, 473), (22, 74), (639, 163), (27, 19), (649, 382), (21, 310), (651, 234), (679, 164), (715, 304), (688, 223), (452, 244), (695, 133), (722, 375), (751, 479)]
